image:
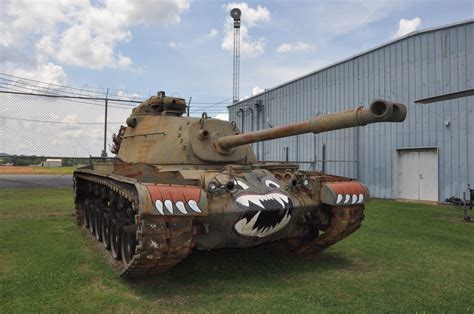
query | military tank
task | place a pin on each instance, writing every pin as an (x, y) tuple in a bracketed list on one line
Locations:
[(183, 183)]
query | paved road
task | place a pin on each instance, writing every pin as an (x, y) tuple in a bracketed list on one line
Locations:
[(31, 181)]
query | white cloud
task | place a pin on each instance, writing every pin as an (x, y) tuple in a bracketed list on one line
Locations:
[(223, 116), (257, 90), (299, 46), (44, 48), (81, 32), (48, 73), (407, 26), (172, 44), (212, 33), (249, 46), (123, 62), (130, 95)]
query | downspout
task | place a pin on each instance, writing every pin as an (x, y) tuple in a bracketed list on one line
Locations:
[(241, 110), (251, 126)]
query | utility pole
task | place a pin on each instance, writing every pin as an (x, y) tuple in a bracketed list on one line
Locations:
[(235, 14), (189, 105), (104, 151)]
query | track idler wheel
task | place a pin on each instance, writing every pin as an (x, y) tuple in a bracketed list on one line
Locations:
[(128, 243), (115, 239), (105, 230)]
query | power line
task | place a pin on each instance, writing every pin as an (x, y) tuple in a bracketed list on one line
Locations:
[(43, 90), (52, 89), (49, 84), (18, 92), (73, 97), (118, 106), (17, 88), (214, 104), (58, 122)]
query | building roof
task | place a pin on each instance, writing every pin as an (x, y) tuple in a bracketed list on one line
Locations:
[(412, 34)]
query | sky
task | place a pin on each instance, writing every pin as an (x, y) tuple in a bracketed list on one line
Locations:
[(184, 47)]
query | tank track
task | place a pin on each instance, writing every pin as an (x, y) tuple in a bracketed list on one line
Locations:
[(344, 221), (155, 243)]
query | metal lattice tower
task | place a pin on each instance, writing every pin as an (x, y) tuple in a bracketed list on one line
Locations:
[(235, 14)]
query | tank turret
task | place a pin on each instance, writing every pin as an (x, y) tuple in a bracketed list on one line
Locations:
[(160, 135)]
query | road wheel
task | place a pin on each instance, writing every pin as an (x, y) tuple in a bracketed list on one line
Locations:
[(91, 211), (128, 244), (105, 228), (86, 216), (98, 225), (115, 237)]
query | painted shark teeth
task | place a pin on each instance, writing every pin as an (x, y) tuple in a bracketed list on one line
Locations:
[(349, 199), (181, 208), (159, 206), (194, 206), (263, 206), (257, 199), (354, 198), (169, 206), (246, 228), (180, 205)]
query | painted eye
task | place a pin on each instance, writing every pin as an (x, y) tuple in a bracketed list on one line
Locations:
[(272, 184), (241, 184)]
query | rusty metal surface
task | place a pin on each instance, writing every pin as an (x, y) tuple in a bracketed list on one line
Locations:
[(344, 193), (377, 111), (186, 183), (162, 241), (344, 222)]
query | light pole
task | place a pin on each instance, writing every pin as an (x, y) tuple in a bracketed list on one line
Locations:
[(235, 14)]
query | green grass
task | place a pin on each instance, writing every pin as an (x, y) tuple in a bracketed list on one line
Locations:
[(406, 257)]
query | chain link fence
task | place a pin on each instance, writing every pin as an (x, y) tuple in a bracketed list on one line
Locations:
[(44, 137)]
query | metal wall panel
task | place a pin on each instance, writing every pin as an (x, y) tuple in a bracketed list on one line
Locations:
[(420, 65)]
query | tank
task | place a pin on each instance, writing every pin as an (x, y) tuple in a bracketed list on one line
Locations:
[(184, 183)]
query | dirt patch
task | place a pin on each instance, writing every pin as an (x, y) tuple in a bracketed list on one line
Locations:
[(459, 220), (18, 170), (35, 170), (358, 265)]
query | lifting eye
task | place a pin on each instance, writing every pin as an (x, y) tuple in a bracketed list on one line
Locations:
[(272, 184)]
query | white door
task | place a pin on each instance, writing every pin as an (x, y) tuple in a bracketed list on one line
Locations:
[(417, 174), (429, 175)]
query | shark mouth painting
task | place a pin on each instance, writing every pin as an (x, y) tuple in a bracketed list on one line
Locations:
[(264, 214)]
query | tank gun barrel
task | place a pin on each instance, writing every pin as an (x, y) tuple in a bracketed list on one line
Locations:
[(377, 111)]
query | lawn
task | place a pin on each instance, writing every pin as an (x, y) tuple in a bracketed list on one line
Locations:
[(406, 257)]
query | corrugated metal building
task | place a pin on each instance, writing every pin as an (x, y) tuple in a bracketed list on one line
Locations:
[(430, 156)]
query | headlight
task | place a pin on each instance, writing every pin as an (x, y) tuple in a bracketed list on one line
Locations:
[(212, 187)]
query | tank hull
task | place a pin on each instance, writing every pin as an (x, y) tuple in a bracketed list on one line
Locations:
[(153, 218)]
